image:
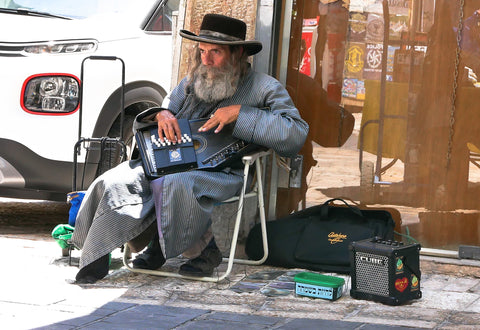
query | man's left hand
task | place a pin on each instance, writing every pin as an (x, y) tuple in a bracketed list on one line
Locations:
[(220, 118)]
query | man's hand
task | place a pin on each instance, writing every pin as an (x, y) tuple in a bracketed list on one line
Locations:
[(168, 126), (221, 117)]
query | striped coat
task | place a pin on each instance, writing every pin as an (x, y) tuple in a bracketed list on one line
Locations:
[(122, 203)]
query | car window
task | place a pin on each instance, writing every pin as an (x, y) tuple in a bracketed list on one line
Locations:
[(161, 19), (80, 9)]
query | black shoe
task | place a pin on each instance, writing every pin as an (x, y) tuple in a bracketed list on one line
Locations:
[(204, 264), (86, 280), (94, 271), (152, 258)]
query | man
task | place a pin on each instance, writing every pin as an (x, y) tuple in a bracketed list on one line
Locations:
[(122, 204)]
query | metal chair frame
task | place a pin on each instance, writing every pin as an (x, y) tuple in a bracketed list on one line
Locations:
[(253, 159)]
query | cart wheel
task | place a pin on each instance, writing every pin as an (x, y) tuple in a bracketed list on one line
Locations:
[(366, 180)]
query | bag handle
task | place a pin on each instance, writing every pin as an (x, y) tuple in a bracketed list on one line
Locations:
[(324, 208)]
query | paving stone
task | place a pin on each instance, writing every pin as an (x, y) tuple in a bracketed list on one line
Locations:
[(462, 320), (37, 317), (78, 321), (244, 318), (464, 284), (41, 297), (220, 320), (446, 300), (93, 296), (433, 282), (475, 289), (147, 317), (113, 306), (213, 324), (319, 324), (387, 327), (474, 307), (404, 315), (56, 327)]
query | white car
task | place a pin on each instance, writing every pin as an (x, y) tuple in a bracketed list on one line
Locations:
[(43, 44)]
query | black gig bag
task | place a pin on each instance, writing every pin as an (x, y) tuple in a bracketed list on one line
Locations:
[(318, 238)]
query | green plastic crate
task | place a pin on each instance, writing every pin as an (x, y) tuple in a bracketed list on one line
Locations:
[(319, 286)]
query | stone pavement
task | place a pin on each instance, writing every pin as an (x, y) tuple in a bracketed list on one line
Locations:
[(36, 292)]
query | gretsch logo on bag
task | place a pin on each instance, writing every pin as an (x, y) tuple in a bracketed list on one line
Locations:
[(336, 237)]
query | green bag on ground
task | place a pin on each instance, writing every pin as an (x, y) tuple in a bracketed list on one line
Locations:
[(62, 235)]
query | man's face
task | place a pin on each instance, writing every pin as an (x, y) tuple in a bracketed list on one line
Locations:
[(214, 55), (216, 78)]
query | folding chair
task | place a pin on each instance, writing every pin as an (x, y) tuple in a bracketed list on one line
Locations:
[(254, 159)]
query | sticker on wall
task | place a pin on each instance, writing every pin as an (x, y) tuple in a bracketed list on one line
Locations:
[(357, 27), (373, 61), (360, 90), (398, 25), (353, 88), (354, 60), (349, 88), (375, 27)]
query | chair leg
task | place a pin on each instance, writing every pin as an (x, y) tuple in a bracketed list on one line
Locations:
[(206, 278), (263, 221), (231, 259)]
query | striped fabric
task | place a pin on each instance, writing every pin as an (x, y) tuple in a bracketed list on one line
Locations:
[(119, 205)]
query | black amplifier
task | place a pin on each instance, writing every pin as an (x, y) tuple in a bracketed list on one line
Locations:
[(385, 271)]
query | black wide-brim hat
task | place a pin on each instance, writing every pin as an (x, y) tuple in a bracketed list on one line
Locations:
[(224, 30)]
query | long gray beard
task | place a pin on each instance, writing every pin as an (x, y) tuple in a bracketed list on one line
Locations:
[(215, 84)]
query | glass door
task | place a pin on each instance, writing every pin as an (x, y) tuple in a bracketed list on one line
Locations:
[(391, 89)]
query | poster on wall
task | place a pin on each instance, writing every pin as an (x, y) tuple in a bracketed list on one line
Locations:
[(373, 61), (353, 88), (354, 60), (376, 6), (398, 25), (375, 26), (365, 5), (309, 29), (357, 27), (364, 50), (353, 85)]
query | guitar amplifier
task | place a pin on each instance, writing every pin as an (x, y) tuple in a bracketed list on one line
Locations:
[(385, 271), (197, 150)]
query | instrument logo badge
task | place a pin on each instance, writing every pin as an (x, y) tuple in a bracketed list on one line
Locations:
[(336, 237), (372, 260), (175, 155)]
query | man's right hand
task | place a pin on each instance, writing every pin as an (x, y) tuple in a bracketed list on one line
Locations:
[(168, 126)]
